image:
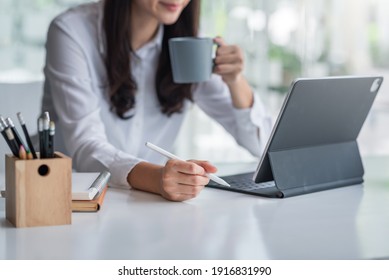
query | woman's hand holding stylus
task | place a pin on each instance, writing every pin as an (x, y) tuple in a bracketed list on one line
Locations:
[(183, 180)]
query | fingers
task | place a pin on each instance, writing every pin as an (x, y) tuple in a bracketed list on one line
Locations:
[(229, 62), (219, 41), (191, 179), (228, 59), (183, 180), (227, 69), (180, 192), (186, 167), (208, 167)]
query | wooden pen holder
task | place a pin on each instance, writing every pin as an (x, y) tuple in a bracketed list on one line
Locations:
[(38, 191)]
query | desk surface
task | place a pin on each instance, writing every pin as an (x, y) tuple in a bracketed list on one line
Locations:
[(345, 223)]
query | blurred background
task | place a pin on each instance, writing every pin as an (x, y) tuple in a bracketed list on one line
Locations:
[(282, 40)]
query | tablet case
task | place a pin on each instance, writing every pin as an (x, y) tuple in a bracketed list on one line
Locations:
[(314, 145), (313, 169)]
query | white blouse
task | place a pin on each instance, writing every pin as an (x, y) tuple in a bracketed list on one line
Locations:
[(76, 95)]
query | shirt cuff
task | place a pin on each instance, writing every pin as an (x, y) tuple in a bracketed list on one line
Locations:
[(120, 168)]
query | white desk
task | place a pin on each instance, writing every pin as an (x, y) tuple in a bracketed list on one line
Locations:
[(345, 223)]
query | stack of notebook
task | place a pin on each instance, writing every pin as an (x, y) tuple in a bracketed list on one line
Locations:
[(88, 190)]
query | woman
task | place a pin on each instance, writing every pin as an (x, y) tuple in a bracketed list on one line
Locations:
[(109, 88)]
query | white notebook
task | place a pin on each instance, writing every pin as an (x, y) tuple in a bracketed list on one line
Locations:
[(86, 185)]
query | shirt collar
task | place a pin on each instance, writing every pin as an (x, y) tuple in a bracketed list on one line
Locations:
[(155, 43)]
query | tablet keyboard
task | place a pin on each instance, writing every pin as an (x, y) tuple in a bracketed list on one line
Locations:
[(245, 182)]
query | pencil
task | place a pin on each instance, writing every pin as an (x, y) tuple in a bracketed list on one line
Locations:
[(40, 131), (3, 127), (51, 139), (15, 133), (26, 134), (2, 120), (22, 153), (29, 155), (12, 141), (46, 127)]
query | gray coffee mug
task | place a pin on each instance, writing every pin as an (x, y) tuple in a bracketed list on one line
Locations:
[(191, 59)]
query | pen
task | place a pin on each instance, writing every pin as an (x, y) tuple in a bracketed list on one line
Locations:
[(211, 176), (26, 135), (100, 182)]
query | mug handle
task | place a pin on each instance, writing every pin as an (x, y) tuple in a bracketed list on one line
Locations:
[(214, 50)]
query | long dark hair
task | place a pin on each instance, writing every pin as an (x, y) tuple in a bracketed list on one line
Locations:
[(117, 26)]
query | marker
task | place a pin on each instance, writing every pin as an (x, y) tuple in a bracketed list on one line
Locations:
[(26, 135), (211, 176)]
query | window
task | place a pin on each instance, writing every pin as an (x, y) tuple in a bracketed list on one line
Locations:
[(282, 40)]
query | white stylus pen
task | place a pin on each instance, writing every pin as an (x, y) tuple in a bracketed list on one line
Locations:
[(211, 176)]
